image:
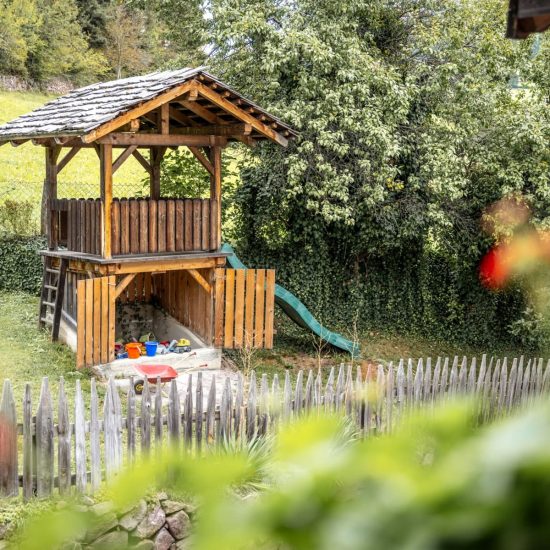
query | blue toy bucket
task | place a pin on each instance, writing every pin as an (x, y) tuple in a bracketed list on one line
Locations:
[(151, 348)]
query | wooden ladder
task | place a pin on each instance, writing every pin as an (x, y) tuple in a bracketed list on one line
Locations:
[(51, 295)]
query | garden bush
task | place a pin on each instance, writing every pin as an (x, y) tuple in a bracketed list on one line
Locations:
[(20, 263)]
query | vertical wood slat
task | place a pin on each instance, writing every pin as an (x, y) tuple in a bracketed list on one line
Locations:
[(205, 225), (44, 442), (124, 227), (115, 227), (229, 308), (170, 226), (95, 335), (143, 227), (259, 310), (153, 226), (197, 224), (9, 480), (161, 226), (239, 307), (80, 440), (95, 456), (63, 441), (188, 230), (213, 224), (134, 227), (180, 227), (219, 306), (269, 308), (28, 447), (145, 419)]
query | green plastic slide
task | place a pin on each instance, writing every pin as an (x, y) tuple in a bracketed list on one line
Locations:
[(298, 312)]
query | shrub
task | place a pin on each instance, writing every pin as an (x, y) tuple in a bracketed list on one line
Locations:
[(17, 218), (20, 263)]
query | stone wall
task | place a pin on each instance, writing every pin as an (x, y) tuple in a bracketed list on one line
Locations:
[(160, 524)]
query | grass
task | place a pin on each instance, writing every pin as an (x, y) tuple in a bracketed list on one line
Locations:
[(27, 354)]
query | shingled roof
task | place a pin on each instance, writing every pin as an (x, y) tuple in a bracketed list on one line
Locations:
[(83, 110)]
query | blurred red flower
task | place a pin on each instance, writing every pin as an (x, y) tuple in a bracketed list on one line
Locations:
[(494, 269)]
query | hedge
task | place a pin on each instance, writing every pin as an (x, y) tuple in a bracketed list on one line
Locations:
[(20, 263)]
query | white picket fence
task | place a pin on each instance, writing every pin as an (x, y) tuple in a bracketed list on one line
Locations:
[(43, 452)]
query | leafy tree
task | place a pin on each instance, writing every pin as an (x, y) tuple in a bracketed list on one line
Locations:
[(93, 18), (124, 46), (408, 130), (61, 48), (19, 20), (179, 31)]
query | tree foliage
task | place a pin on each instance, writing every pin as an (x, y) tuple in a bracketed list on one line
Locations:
[(408, 130)]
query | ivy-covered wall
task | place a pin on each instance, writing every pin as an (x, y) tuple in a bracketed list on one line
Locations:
[(20, 263), (422, 293)]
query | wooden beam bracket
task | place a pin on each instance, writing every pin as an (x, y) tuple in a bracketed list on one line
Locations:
[(128, 152), (199, 155), (123, 284), (201, 280)]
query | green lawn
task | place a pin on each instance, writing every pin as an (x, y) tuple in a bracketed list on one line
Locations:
[(27, 354)]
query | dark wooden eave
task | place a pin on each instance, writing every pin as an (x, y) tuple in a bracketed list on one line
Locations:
[(526, 17)]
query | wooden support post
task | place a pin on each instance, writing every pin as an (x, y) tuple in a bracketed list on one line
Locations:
[(106, 160), (164, 117), (48, 225), (216, 190), (156, 154)]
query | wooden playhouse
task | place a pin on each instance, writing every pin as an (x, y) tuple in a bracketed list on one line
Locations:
[(164, 251)]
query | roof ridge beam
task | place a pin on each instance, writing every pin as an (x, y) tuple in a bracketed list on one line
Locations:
[(239, 113), (138, 111)]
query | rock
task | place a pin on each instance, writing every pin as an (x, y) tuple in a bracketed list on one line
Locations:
[(101, 525), (190, 510), (178, 525), (144, 545), (3, 545), (162, 496), (132, 519), (184, 544), (163, 540), (80, 508), (172, 506), (86, 500), (72, 546), (61, 505), (112, 541), (102, 508), (151, 523)]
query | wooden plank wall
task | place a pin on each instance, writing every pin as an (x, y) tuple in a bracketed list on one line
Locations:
[(199, 418), (145, 226), (95, 321), (244, 310), (182, 297), (139, 289)]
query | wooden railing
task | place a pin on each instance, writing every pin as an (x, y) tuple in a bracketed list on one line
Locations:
[(138, 226), (145, 226)]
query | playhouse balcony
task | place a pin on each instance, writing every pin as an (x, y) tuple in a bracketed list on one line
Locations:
[(138, 226)]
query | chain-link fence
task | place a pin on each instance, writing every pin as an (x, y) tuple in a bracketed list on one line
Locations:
[(20, 201)]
